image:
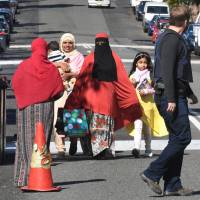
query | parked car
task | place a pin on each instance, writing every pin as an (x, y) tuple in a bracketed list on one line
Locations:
[(189, 37), (157, 21), (196, 32), (139, 10), (9, 17), (6, 27), (14, 5), (157, 31), (134, 4), (99, 3), (3, 20), (3, 38), (151, 9), (5, 4)]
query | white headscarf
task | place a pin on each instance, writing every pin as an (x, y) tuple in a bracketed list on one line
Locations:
[(70, 37)]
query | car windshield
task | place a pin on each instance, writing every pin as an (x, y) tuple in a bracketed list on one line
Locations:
[(157, 9), (4, 4), (6, 15)]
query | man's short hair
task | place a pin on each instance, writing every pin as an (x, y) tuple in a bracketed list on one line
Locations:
[(179, 14), (53, 45)]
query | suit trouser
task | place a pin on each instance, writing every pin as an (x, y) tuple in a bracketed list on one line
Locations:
[(168, 165)]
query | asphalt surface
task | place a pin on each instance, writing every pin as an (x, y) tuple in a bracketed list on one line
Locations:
[(87, 179), (81, 177)]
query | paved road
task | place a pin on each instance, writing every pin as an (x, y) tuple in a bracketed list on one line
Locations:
[(83, 178)]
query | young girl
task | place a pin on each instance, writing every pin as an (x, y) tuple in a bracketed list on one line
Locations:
[(140, 78)]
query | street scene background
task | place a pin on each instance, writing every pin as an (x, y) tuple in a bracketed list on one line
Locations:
[(81, 177)]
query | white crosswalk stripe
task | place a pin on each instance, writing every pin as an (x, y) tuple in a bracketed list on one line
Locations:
[(123, 145), (88, 47)]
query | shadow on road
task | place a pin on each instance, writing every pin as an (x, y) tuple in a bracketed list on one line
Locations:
[(78, 182), (18, 24), (50, 6), (49, 32)]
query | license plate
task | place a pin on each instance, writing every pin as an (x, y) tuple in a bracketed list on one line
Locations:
[(99, 3)]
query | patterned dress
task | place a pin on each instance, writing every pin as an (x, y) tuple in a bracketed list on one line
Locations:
[(102, 133), (27, 119)]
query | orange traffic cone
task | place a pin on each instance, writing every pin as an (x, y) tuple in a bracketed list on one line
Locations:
[(40, 178)]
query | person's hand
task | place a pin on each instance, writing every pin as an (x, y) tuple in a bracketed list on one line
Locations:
[(64, 66), (133, 81), (142, 92), (67, 76), (171, 107), (193, 99)]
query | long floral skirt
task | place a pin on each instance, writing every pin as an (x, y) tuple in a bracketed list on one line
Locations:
[(102, 133), (27, 119)]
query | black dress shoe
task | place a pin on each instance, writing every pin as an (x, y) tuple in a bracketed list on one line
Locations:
[(179, 192), (153, 185), (136, 153), (106, 154), (73, 147)]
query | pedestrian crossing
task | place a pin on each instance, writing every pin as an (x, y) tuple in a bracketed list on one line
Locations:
[(8, 63), (86, 46), (120, 145)]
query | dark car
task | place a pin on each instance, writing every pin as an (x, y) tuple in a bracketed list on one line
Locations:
[(157, 21), (189, 37), (140, 11), (5, 4), (9, 17), (3, 38), (6, 27)]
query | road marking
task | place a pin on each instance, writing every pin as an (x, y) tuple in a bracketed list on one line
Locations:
[(10, 62), (194, 113), (123, 145), (89, 45), (194, 121), (124, 60)]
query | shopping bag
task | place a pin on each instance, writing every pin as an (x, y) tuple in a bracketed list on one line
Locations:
[(75, 123)]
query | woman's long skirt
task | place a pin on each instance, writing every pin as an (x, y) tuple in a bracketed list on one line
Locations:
[(102, 133), (27, 119)]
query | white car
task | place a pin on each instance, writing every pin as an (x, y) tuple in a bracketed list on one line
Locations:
[(154, 8), (196, 33), (99, 3), (135, 3)]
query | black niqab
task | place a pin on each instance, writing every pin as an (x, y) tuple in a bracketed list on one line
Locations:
[(104, 64)]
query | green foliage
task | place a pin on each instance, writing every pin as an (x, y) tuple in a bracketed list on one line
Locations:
[(177, 2)]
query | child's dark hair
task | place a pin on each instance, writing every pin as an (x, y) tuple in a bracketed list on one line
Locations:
[(53, 45), (138, 57)]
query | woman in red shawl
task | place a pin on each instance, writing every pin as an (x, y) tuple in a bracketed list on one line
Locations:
[(103, 89), (36, 82)]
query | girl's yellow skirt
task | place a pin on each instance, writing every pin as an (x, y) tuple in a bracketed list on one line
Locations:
[(150, 116)]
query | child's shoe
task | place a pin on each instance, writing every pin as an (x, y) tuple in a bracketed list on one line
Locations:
[(148, 153), (136, 153)]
